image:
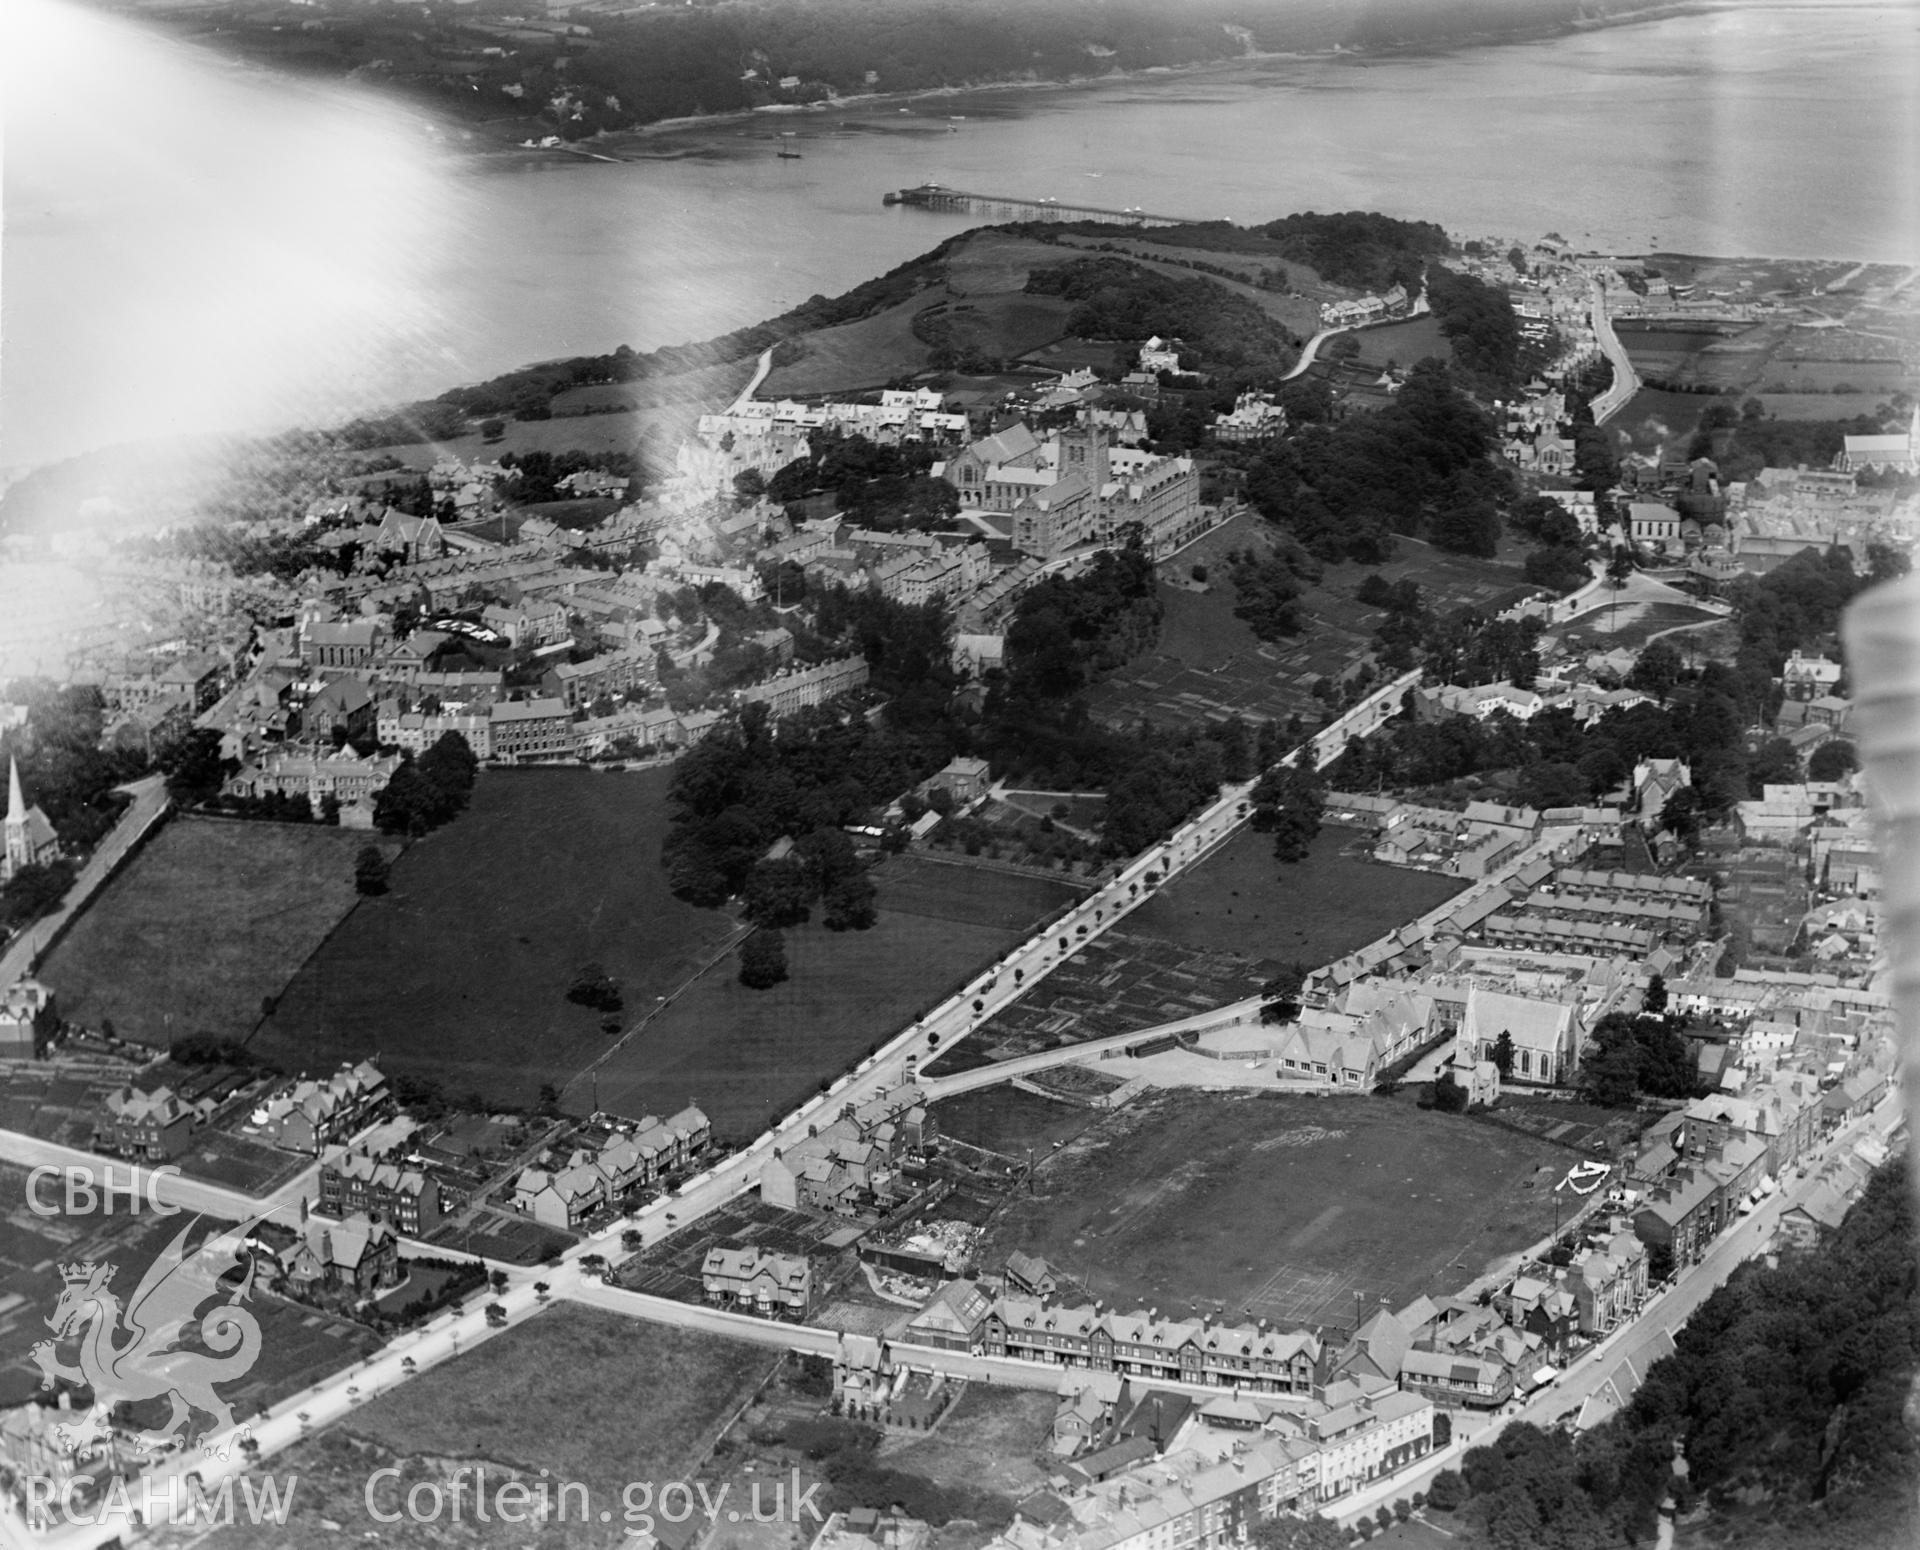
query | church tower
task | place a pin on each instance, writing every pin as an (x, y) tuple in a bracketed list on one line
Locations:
[(19, 850)]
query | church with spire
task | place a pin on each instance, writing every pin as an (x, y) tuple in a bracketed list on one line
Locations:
[(30, 840)]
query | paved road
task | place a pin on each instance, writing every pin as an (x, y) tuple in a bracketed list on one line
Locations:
[(149, 805), (1308, 351), (1072, 1054), (189, 1194), (1626, 381), (760, 370)]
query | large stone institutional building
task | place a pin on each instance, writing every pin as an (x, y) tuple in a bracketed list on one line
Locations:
[(1077, 487)]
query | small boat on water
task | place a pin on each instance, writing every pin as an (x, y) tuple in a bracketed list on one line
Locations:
[(788, 155)]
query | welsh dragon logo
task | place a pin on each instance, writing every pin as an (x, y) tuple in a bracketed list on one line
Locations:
[(149, 1361)]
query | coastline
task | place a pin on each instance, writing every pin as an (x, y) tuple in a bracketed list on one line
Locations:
[(604, 145)]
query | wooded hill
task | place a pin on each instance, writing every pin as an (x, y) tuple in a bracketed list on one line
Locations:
[(484, 62)]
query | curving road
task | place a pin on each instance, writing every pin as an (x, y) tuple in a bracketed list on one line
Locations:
[(1626, 381), (760, 371), (1308, 351)]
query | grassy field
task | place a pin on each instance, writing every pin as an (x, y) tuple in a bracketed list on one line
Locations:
[(1241, 900), (209, 918), (1280, 1207), (589, 1395), (1412, 339), (1007, 1119), (993, 261), (983, 303), (747, 1055), (652, 432), (861, 354), (1632, 625), (460, 972)]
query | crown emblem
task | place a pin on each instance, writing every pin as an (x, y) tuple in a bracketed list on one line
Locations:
[(81, 1272)]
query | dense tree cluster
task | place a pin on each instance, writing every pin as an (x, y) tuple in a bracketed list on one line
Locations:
[(1266, 587), (1479, 324), (65, 771), (1219, 329), (426, 792), (370, 872), (822, 866), (1360, 248), (594, 987), (1557, 758), (763, 959), (1421, 462), (1067, 632), (32, 891), (1635, 1054), (425, 421), (1559, 563), (1786, 1392), (1800, 602), (873, 485), (1287, 803), (1834, 760), (741, 788), (194, 768), (907, 651)]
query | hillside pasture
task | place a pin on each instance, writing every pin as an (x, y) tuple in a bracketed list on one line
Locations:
[(853, 356)]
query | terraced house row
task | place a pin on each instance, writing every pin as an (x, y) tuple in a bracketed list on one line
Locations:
[(1141, 1344)]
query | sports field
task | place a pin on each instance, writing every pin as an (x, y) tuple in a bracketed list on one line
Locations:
[(461, 971), (1285, 1208), (1241, 900), (747, 1056), (209, 918)]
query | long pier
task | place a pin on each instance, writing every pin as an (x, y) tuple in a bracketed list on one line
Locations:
[(936, 196)]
